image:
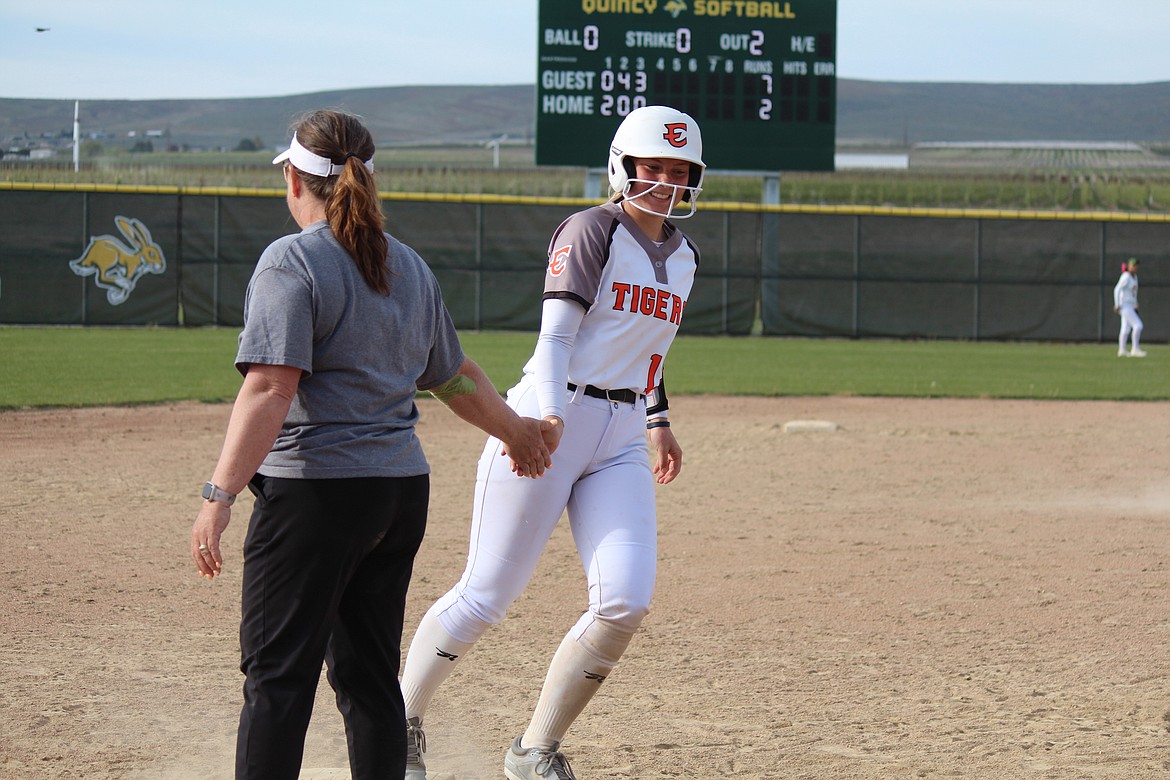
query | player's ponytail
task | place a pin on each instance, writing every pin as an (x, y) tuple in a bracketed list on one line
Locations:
[(355, 215), (352, 206)]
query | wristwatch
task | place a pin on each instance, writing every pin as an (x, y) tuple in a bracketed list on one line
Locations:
[(212, 493)]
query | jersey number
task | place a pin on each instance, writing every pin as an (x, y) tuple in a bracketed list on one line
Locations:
[(655, 364)]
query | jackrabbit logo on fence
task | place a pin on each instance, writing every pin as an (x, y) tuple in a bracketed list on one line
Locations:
[(118, 266)]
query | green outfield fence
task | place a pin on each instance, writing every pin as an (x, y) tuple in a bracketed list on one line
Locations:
[(182, 256)]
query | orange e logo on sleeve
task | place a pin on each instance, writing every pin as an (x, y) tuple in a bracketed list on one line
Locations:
[(559, 260)]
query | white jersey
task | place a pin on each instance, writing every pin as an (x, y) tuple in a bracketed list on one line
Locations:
[(1126, 291), (634, 292)]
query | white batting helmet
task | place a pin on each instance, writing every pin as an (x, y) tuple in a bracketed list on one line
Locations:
[(657, 131)]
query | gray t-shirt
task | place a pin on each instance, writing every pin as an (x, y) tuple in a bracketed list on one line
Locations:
[(363, 355)]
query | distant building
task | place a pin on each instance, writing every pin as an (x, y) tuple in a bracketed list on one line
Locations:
[(1086, 146)]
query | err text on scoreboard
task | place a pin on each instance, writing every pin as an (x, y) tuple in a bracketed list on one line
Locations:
[(758, 76)]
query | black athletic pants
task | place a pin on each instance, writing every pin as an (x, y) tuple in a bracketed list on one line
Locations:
[(326, 566)]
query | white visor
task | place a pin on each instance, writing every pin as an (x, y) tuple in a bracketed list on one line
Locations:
[(304, 160)]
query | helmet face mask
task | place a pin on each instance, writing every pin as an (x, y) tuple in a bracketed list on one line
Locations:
[(661, 198), (657, 132)]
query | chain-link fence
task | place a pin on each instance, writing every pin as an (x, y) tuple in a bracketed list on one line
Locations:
[(107, 255)]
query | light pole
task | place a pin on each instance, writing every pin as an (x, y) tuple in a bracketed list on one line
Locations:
[(494, 145), (76, 136)]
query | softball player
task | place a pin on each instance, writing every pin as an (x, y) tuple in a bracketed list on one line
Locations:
[(1125, 303), (617, 282)]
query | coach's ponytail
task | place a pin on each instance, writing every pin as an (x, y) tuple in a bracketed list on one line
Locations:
[(352, 206)]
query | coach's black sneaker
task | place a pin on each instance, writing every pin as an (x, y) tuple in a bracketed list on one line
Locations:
[(536, 763), (416, 745)]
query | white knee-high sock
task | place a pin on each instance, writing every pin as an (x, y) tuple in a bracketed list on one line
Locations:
[(429, 662), (573, 677)]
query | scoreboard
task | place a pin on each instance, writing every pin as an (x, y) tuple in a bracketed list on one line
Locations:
[(759, 77)]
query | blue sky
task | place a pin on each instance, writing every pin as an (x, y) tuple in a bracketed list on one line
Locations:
[(254, 48)]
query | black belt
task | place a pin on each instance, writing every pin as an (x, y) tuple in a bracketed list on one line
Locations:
[(624, 396)]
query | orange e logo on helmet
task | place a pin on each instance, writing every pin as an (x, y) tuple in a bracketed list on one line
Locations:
[(676, 134)]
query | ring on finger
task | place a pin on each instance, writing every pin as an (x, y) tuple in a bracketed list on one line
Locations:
[(204, 548)]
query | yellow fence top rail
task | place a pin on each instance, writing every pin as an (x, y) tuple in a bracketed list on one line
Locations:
[(794, 208)]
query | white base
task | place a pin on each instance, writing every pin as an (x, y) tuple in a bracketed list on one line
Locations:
[(805, 426)]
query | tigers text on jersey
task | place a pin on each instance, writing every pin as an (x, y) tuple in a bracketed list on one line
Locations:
[(633, 290)]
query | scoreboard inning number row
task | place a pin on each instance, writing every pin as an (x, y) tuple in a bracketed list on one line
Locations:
[(759, 77), (625, 83)]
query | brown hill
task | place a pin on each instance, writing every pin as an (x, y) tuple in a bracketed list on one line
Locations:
[(883, 112)]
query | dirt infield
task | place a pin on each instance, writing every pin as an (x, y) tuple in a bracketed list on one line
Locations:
[(937, 589)]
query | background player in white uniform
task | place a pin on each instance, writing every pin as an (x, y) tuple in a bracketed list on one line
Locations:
[(617, 283), (1125, 303)]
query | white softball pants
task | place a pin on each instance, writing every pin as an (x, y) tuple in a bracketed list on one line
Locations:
[(1131, 323), (601, 476)]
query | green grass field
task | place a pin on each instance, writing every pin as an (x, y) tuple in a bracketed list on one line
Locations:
[(1045, 180), (46, 367)]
